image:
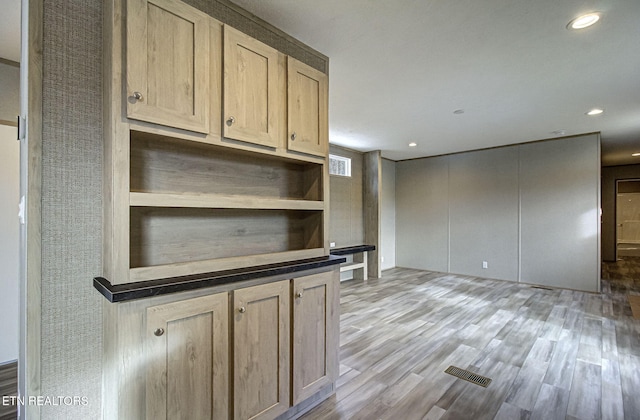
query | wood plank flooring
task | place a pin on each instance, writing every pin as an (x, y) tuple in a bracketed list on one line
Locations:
[(8, 387), (551, 354)]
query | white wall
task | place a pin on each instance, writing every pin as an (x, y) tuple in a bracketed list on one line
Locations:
[(9, 245), (9, 92), (388, 215), (530, 211)]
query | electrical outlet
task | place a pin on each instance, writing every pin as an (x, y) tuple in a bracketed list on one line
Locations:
[(332, 245), (382, 259), (485, 264)]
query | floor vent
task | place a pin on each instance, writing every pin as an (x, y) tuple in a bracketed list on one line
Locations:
[(468, 376)]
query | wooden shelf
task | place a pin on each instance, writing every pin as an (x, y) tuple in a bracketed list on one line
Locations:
[(218, 264), (220, 201)]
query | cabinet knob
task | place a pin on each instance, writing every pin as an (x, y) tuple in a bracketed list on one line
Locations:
[(138, 96), (242, 309), (158, 332), (293, 136), (230, 121), (299, 294)]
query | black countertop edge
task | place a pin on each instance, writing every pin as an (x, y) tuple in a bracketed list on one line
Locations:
[(352, 249), (145, 289)]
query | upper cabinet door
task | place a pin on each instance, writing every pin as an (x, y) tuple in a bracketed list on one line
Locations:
[(251, 99), (307, 93), (168, 64)]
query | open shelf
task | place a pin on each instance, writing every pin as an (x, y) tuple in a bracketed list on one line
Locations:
[(197, 208), (164, 236), (220, 201), (173, 166)]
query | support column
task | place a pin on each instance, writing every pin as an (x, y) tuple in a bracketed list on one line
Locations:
[(372, 192)]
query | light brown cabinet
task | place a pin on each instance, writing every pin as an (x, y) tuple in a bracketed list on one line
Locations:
[(188, 359), (314, 333), (190, 190), (167, 56), (252, 100), (259, 351), (307, 104), (261, 355), (199, 176)]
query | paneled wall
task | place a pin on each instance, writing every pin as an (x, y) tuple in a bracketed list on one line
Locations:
[(483, 213), (529, 211), (346, 195), (422, 214)]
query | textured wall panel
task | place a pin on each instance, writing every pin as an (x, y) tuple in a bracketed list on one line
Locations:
[(72, 206)]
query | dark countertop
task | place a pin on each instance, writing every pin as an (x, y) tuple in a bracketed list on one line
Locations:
[(145, 289), (352, 249)]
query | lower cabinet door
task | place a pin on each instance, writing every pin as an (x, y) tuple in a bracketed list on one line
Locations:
[(188, 371), (261, 350), (315, 333)]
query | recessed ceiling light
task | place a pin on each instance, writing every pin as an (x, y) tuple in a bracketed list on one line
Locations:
[(413, 144), (595, 111), (635, 154), (584, 21)]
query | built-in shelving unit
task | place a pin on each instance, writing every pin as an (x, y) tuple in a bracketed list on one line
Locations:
[(216, 205), (198, 208)]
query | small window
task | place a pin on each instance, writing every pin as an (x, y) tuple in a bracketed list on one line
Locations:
[(339, 165)]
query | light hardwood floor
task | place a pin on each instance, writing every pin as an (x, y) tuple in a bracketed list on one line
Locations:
[(552, 354)]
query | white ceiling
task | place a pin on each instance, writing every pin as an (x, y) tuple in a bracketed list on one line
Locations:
[(398, 70)]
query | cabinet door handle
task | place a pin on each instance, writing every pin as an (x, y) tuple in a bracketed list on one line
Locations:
[(230, 121), (293, 136), (242, 309), (158, 332), (138, 96), (299, 294)]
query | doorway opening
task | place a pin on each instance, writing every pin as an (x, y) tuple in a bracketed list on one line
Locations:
[(628, 218)]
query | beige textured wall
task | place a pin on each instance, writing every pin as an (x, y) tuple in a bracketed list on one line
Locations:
[(72, 206)]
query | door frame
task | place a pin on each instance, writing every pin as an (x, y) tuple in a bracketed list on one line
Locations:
[(29, 358), (615, 214)]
